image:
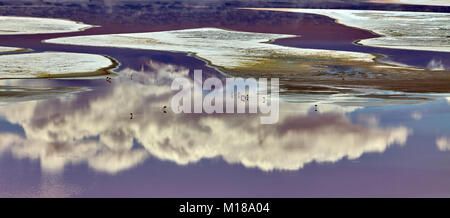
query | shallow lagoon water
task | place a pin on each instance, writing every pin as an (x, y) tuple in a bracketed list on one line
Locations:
[(336, 151), (83, 143)]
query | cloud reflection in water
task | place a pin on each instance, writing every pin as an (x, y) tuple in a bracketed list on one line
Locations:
[(96, 129)]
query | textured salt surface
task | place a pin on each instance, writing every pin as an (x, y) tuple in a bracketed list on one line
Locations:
[(223, 48), (33, 25), (51, 64), (416, 2), (400, 29), (8, 49)]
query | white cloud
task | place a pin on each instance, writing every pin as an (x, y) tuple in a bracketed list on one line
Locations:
[(443, 143), (416, 115), (435, 65), (101, 134)]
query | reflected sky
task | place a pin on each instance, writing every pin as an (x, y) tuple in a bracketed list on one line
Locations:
[(85, 144), (93, 129), (75, 138)]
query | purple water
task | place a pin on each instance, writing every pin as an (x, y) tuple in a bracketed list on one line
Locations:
[(391, 162)]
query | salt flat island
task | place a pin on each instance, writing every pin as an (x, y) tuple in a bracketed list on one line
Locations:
[(231, 51), (53, 64), (35, 25), (250, 54), (398, 29), (46, 64), (222, 48), (4, 49), (415, 2)]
